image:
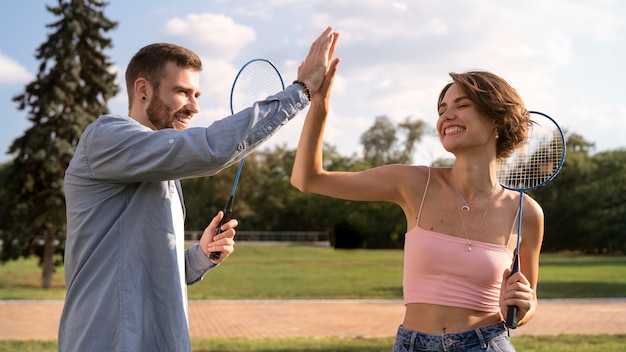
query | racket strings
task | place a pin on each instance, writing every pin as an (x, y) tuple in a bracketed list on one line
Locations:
[(536, 161), (256, 82)]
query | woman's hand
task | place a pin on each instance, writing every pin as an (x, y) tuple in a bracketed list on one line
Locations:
[(517, 291)]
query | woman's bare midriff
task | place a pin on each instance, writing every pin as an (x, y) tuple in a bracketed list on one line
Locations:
[(435, 320)]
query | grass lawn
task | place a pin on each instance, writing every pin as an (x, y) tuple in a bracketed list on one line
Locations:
[(307, 272), (563, 343)]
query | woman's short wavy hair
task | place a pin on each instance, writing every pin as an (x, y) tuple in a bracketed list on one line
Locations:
[(500, 102)]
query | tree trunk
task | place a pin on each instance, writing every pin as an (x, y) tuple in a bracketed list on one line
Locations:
[(48, 259)]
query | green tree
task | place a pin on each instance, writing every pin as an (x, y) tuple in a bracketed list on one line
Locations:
[(266, 201), (564, 201), (381, 143), (605, 197), (414, 130), (264, 189), (381, 224), (71, 89), (205, 196)]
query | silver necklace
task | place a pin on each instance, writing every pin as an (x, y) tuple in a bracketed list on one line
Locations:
[(482, 221), (466, 205)]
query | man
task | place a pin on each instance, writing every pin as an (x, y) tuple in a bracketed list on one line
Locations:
[(126, 270)]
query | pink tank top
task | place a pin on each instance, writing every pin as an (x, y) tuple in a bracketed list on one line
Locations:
[(438, 269)]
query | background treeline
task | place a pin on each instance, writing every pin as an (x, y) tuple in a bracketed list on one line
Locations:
[(585, 206), (266, 201)]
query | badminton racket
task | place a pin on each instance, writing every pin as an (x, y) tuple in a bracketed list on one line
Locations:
[(255, 81), (531, 165)]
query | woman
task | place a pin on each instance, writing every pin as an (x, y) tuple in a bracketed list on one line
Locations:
[(461, 223)]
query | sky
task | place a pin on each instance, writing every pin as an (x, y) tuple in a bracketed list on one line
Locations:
[(565, 57)]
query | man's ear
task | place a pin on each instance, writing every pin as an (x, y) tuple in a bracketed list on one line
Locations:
[(142, 89)]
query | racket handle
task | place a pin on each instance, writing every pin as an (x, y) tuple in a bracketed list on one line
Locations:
[(511, 313), (228, 212)]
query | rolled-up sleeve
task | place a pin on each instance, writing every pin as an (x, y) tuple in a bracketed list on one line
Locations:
[(196, 264)]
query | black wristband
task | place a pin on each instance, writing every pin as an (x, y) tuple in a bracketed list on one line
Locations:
[(306, 89)]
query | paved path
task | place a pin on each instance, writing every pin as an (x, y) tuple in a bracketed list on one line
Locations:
[(38, 320)]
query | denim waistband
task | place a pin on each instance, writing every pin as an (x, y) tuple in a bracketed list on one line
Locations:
[(455, 341)]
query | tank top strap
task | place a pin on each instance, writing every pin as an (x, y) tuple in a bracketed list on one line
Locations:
[(419, 213)]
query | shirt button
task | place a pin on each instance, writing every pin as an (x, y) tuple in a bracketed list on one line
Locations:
[(171, 141), (269, 128), (298, 105)]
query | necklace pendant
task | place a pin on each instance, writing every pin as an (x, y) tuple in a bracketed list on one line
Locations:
[(465, 208)]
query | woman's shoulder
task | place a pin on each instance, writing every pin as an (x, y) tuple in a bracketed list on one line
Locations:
[(532, 208), (417, 176), (419, 171)]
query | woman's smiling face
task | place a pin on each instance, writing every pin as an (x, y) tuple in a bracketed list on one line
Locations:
[(460, 124)]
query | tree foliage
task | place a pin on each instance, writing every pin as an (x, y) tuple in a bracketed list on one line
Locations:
[(71, 89), (380, 142), (266, 201), (585, 205)]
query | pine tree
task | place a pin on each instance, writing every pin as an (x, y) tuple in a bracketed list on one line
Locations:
[(70, 91)]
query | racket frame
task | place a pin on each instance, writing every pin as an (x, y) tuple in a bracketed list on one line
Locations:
[(512, 310), (228, 208)]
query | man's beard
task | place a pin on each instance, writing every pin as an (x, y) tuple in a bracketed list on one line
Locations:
[(160, 114)]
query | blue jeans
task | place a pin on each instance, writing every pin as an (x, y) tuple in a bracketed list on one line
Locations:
[(493, 337)]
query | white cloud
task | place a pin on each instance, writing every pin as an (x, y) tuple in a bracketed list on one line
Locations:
[(12, 72), (216, 81), (598, 123), (215, 35), (599, 21)]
